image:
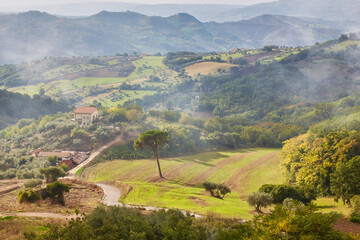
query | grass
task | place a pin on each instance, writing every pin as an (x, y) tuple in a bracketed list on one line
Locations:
[(113, 62), (328, 204), (144, 68), (29, 90), (181, 187), (78, 172), (225, 56), (107, 102), (342, 46), (82, 195), (67, 69), (14, 229)]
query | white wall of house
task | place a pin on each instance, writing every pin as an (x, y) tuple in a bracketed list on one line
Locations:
[(86, 118)]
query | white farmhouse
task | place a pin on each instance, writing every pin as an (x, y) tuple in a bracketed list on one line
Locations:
[(85, 115)]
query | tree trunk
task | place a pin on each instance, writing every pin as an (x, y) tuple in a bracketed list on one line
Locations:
[(158, 163)]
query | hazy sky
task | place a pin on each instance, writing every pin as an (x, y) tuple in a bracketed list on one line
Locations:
[(21, 3)]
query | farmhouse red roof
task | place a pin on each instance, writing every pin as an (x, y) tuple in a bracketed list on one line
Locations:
[(88, 110)]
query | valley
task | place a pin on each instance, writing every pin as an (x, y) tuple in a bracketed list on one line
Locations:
[(167, 127)]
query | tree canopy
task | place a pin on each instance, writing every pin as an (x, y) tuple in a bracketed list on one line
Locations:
[(153, 139)]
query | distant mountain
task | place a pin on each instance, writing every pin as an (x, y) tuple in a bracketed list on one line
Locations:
[(33, 35), (203, 12), (344, 10)]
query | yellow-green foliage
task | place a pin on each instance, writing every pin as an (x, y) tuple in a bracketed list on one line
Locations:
[(28, 195)]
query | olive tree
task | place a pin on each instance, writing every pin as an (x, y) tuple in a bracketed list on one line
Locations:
[(259, 200), (51, 174)]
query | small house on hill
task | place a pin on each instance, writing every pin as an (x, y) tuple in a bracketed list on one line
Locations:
[(35, 152), (85, 115)]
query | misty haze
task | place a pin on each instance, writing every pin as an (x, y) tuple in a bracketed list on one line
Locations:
[(180, 120)]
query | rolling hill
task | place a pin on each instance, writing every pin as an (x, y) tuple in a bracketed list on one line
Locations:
[(34, 35), (346, 10)]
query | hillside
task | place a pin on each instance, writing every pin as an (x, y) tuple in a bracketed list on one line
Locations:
[(346, 10), (203, 12), (15, 106), (181, 187), (107, 33)]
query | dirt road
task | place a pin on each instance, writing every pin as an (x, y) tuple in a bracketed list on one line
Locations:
[(71, 173)]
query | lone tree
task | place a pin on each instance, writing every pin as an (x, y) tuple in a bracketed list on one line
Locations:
[(259, 200), (51, 174), (153, 139)]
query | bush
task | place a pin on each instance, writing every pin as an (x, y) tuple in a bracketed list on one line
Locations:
[(216, 190), (56, 191), (355, 218), (259, 200), (280, 192), (28, 195), (355, 215), (33, 183)]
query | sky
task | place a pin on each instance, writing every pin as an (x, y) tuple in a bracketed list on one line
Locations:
[(13, 4)]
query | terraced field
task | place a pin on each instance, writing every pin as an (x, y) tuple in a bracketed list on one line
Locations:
[(244, 171)]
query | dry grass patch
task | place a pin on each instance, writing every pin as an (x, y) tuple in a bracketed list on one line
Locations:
[(82, 195), (13, 228)]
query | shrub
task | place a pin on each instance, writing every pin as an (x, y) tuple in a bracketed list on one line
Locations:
[(28, 195), (280, 192), (355, 215), (259, 200), (56, 191), (33, 183), (216, 190)]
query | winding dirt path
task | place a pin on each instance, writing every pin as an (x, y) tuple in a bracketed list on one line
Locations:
[(71, 173)]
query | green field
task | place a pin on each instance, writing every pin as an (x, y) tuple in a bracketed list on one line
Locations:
[(225, 56), (241, 170), (144, 68), (342, 46), (67, 69), (132, 95)]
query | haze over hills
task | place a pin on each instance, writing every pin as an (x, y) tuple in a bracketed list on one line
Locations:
[(33, 35), (346, 10)]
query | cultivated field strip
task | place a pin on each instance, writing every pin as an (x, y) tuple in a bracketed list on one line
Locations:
[(244, 171)]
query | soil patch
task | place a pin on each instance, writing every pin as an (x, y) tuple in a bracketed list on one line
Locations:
[(7, 186), (347, 227)]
